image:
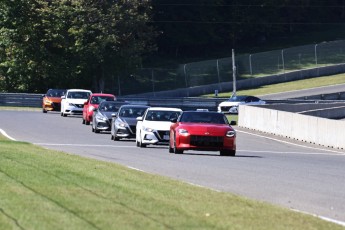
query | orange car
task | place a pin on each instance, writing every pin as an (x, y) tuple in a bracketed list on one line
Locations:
[(92, 103), (52, 100)]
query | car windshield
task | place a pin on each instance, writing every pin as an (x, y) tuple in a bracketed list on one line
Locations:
[(78, 95), (131, 112), (109, 107), (157, 115), (238, 98), (56, 92), (98, 99), (203, 117)]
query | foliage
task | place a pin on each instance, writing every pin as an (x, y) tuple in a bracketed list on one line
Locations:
[(70, 43), (96, 44)]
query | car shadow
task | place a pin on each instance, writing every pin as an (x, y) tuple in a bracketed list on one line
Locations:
[(217, 155)]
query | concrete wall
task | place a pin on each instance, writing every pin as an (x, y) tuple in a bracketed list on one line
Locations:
[(311, 129)]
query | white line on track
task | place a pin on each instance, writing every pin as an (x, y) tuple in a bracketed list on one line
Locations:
[(6, 135), (84, 145), (133, 168), (286, 142)]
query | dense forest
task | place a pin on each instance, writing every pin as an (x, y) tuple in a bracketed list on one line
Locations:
[(92, 44)]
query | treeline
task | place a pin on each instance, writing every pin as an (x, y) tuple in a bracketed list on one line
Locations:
[(92, 44)]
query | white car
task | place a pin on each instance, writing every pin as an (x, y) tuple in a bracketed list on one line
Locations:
[(231, 105), (153, 127), (72, 102)]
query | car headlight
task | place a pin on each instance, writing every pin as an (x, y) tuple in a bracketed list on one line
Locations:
[(182, 131), (99, 117), (148, 129), (231, 133), (46, 101), (120, 123)]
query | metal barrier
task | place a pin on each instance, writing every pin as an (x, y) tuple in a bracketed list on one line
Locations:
[(248, 66)]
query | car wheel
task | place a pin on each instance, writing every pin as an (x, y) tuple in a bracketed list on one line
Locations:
[(116, 138), (65, 115), (83, 121), (44, 111), (87, 122), (176, 150), (141, 145), (97, 131), (231, 153), (61, 114), (111, 137), (92, 129)]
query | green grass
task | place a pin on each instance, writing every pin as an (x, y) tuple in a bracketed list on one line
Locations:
[(44, 189), (289, 86)]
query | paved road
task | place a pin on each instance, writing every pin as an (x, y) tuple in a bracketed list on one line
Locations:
[(306, 92), (294, 175)]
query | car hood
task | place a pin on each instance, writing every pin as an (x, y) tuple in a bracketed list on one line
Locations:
[(76, 101), (108, 114), (53, 99), (231, 103), (202, 128), (129, 120), (157, 125)]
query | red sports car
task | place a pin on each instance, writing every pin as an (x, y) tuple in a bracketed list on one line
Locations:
[(200, 130), (92, 103)]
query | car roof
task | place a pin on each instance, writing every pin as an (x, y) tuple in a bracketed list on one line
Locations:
[(134, 106), (164, 109), (79, 90), (103, 94)]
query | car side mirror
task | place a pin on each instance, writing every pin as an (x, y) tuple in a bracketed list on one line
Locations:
[(63, 97), (114, 114), (233, 123), (139, 118)]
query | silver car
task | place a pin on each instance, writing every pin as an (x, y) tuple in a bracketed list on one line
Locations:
[(102, 116), (124, 121)]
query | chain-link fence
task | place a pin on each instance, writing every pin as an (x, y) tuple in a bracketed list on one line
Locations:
[(220, 70)]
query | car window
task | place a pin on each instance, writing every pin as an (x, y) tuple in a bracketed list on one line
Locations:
[(198, 117), (98, 99), (55, 93), (155, 115), (131, 112), (78, 95)]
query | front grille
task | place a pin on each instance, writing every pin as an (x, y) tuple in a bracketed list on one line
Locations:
[(225, 108), (207, 141), (161, 134), (56, 106), (133, 128)]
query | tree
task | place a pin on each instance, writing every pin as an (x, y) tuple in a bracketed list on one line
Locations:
[(70, 43)]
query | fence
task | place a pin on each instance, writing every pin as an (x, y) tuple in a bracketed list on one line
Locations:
[(276, 62)]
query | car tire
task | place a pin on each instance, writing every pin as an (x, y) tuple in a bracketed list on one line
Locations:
[(44, 111), (65, 115), (97, 131), (61, 114), (92, 129), (231, 153), (176, 150), (116, 138), (83, 121), (87, 122), (111, 137), (141, 145)]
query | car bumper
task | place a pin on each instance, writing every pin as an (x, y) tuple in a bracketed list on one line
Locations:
[(103, 126), (52, 106), (124, 133), (73, 110), (206, 143), (155, 138)]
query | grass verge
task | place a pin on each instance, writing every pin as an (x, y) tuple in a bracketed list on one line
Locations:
[(289, 86), (44, 189)]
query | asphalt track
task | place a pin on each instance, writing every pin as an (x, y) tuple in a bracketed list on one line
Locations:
[(291, 174)]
